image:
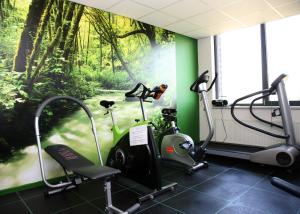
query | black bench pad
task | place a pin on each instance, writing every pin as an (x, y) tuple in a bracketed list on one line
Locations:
[(95, 172), (75, 162), (67, 157)]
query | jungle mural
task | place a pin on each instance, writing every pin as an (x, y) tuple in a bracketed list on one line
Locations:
[(57, 47)]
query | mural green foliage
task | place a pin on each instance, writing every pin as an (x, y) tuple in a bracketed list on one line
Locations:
[(57, 47)]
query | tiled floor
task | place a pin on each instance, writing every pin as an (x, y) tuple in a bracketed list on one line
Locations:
[(226, 186)]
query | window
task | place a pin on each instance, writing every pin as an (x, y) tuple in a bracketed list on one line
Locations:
[(239, 63), (283, 50), (251, 58)]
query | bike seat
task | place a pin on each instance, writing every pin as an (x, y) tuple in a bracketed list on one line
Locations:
[(106, 103), (168, 110)]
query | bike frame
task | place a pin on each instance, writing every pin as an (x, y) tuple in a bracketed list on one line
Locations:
[(117, 133)]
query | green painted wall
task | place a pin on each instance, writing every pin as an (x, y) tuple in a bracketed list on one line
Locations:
[(187, 72)]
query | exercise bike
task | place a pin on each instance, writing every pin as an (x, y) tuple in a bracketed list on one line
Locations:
[(180, 147), (139, 163)]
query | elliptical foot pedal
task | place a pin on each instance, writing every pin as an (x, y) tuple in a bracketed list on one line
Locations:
[(196, 167)]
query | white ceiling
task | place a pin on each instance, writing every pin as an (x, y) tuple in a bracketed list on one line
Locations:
[(199, 18)]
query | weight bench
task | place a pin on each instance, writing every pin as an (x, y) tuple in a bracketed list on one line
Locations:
[(71, 161)]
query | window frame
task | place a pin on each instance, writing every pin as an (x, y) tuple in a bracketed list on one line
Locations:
[(265, 77)]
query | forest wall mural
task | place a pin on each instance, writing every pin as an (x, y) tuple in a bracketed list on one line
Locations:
[(57, 47)]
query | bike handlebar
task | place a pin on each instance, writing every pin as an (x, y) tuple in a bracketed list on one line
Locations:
[(275, 83), (131, 93), (203, 78), (146, 92)]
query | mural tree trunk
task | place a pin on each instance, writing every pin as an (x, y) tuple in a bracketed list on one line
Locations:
[(67, 24), (110, 19), (50, 31), (38, 38), (59, 14), (25, 45), (46, 55), (5, 8), (149, 31), (100, 52), (88, 44), (2, 10), (73, 32), (104, 29)]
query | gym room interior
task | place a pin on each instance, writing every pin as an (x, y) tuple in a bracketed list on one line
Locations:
[(159, 106)]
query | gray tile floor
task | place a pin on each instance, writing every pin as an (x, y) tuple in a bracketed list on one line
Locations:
[(226, 186)]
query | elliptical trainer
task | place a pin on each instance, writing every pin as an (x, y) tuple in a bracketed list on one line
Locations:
[(283, 154), (180, 147)]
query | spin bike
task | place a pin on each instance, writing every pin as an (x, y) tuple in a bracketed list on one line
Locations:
[(180, 147), (139, 163)]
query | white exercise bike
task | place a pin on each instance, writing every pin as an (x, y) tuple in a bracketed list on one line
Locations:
[(180, 148)]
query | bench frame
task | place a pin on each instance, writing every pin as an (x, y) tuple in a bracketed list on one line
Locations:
[(74, 181)]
